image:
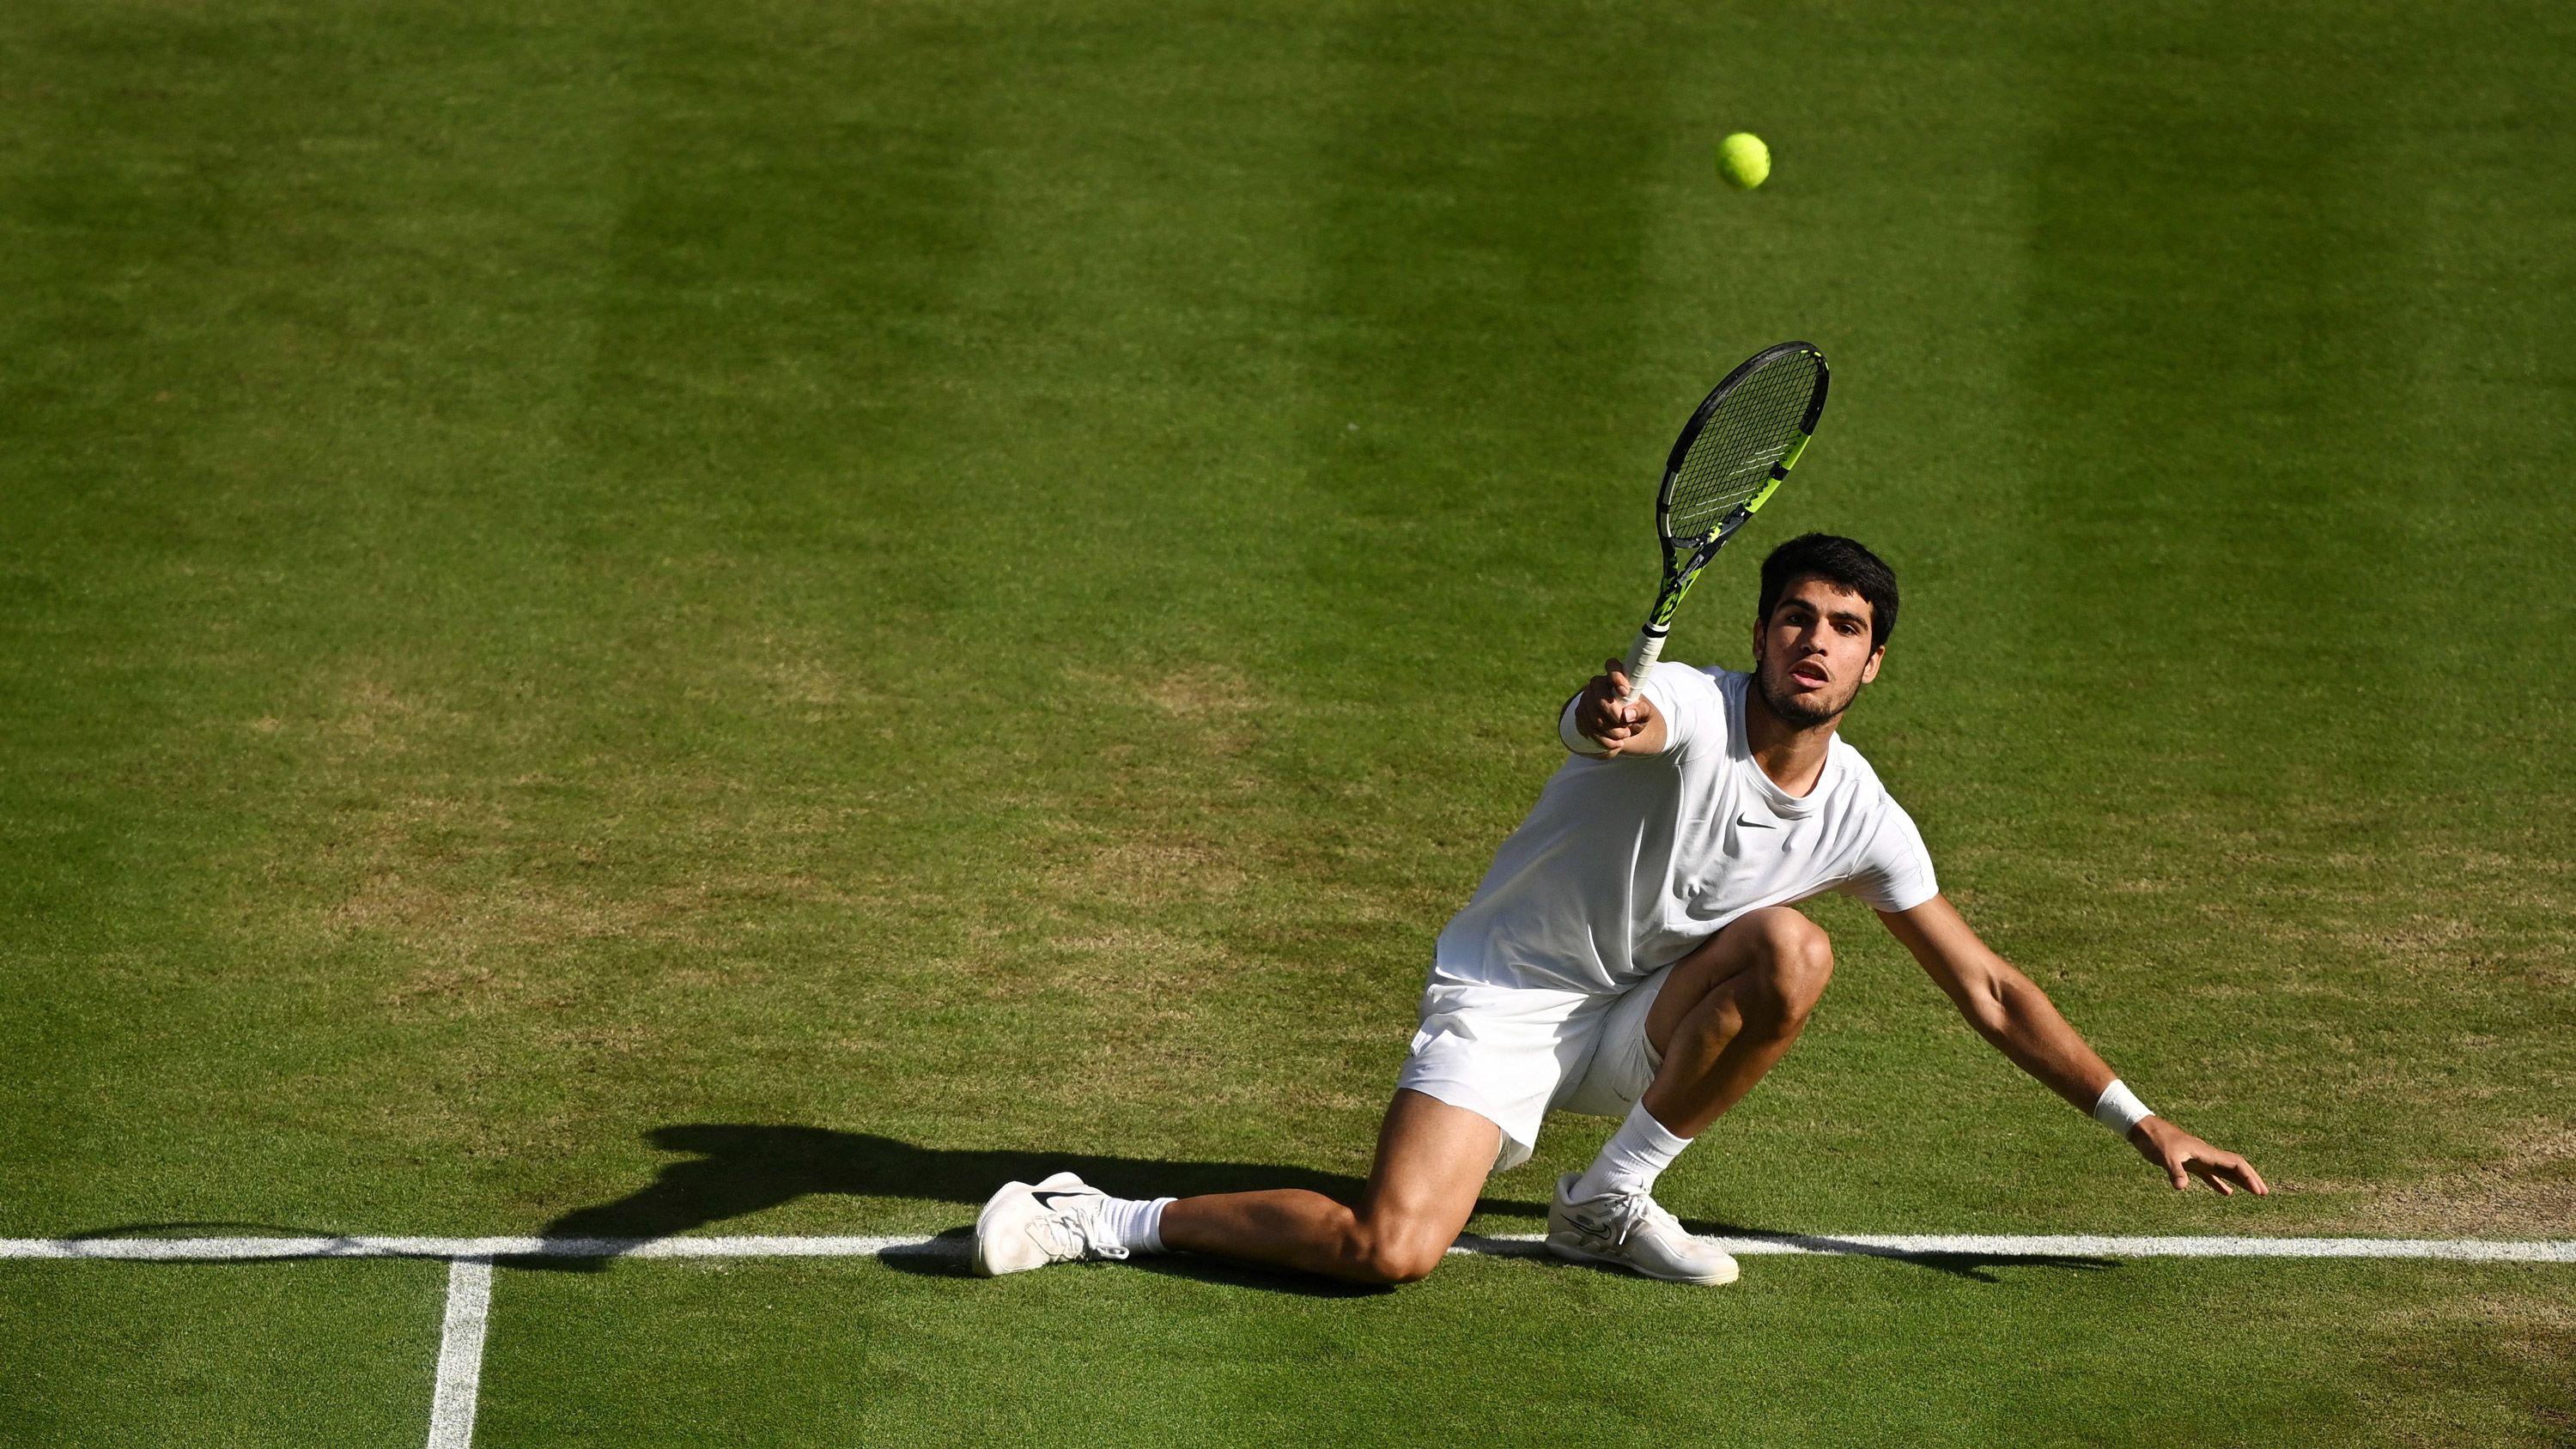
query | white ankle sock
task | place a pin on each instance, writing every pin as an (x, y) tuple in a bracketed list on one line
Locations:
[(1632, 1159), (1136, 1222)]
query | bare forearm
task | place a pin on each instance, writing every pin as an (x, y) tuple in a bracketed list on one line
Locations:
[(2026, 1026), (2007, 1009)]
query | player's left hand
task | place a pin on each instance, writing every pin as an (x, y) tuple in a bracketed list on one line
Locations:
[(2184, 1157)]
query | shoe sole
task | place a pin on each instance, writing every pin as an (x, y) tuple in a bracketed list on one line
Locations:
[(1573, 1254)]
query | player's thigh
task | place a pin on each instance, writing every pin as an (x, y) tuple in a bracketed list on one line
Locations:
[(1432, 1159), (1757, 941)]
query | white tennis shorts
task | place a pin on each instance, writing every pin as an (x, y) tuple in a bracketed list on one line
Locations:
[(1513, 1054)]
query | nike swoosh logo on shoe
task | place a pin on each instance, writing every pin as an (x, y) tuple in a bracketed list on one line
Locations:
[(1047, 1199)]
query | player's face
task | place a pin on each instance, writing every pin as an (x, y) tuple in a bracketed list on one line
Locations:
[(1813, 654)]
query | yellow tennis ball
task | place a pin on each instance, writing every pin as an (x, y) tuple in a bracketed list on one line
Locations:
[(1743, 160)]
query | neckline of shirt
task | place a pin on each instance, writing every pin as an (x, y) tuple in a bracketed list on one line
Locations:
[(1740, 750)]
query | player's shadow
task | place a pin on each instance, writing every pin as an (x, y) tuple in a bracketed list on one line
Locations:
[(1976, 1266), (730, 1171), (733, 1171)]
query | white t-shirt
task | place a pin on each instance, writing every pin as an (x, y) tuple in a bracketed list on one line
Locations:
[(1626, 864)]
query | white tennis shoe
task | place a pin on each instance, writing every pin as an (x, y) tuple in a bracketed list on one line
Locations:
[(1028, 1226), (1630, 1230)]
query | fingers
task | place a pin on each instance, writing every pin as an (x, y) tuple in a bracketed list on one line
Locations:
[(2220, 1169), (1626, 712), (1604, 714), (2225, 1172)]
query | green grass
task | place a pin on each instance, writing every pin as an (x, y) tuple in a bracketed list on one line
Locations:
[(1834, 1352), (293, 1353), (984, 578)]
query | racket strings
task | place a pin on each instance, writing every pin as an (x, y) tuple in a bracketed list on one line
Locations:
[(1752, 428)]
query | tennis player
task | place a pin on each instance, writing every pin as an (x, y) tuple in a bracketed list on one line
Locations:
[(1635, 953)]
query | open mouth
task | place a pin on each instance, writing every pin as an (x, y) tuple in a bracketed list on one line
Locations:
[(1809, 675)]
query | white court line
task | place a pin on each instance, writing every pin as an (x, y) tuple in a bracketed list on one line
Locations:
[(460, 1353), (1989, 1245), (1870, 1245)]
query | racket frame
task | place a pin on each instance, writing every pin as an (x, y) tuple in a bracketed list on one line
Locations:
[(1684, 558)]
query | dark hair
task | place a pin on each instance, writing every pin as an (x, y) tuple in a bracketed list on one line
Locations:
[(1838, 561)]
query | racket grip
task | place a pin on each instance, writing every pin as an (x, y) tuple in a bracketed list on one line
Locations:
[(1641, 659)]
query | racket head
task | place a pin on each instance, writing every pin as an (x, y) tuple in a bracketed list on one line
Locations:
[(1741, 441)]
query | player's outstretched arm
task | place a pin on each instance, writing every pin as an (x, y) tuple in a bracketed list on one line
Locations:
[(2009, 1010), (1615, 725)]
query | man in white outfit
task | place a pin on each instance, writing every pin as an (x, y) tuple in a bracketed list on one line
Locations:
[(1634, 952)]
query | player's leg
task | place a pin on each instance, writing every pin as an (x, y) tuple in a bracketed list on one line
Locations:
[(1431, 1164), (1729, 1012), (1719, 1019)]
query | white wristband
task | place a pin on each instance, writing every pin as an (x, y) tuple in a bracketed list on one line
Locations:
[(2119, 1109), (1575, 739)]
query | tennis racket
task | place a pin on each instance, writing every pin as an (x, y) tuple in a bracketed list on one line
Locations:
[(1732, 456)]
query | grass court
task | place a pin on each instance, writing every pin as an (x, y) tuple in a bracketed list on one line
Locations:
[(638, 619)]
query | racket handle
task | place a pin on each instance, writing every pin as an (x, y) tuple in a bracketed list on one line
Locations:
[(1641, 659)]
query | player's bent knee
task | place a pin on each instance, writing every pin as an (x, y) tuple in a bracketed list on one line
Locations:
[(1805, 972), (1407, 1267), (1796, 965), (1402, 1254), (1399, 1262)]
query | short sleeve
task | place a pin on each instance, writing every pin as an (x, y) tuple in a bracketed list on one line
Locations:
[(1895, 871), (1693, 707)]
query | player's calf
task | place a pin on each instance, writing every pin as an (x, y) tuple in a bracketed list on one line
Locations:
[(1723, 1020), (1062, 1219), (1432, 1160)]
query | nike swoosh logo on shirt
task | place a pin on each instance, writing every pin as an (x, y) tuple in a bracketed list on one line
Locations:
[(1757, 824)]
